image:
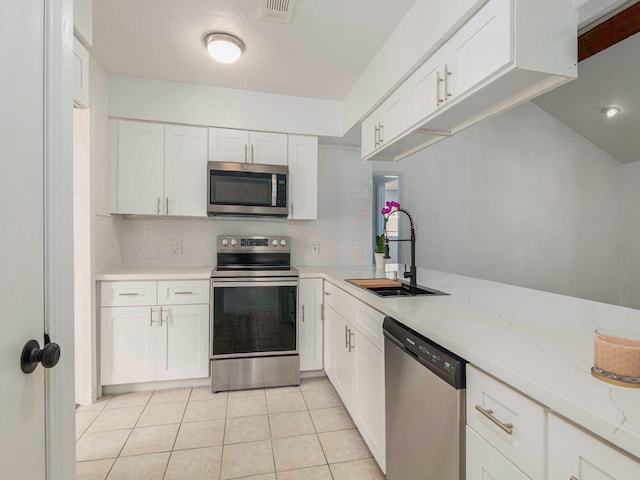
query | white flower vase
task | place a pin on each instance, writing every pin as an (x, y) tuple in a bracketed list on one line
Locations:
[(380, 261)]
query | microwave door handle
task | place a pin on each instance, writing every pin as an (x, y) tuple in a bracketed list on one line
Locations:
[(274, 189)]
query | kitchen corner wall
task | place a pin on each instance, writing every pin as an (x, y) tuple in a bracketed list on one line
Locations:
[(520, 199), (343, 228)]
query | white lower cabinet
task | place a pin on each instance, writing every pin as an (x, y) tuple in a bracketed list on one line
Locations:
[(146, 343), (485, 463), (355, 365), (575, 454), (310, 323)]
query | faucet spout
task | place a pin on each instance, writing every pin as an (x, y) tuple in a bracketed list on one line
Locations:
[(412, 274)]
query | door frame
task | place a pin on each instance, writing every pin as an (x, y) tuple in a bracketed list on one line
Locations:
[(60, 434)]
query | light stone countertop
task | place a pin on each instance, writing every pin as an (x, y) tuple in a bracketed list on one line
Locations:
[(538, 342)]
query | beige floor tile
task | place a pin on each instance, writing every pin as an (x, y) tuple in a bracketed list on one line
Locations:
[(115, 419), (98, 405), (170, 396), (254, 392), (209, 433), (343, 446), (199, 410), (314, 383), (314, 473), (94, 470), (288, 402), (196, 464), (135, 399), (96, 446), (84, 419), (290, 424), (162, 414), (150, 440), (281, 390), (246, 406), (322, 398), (140, 467), (246, 429), (244, 459), (297, 452), (204, 393), (357, 470), (330, 419)]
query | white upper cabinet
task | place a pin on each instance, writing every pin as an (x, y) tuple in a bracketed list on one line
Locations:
[(161, 170), (242, 146), (140, 184), (80, 75), (303, 177), (508, 52), (185, 171)]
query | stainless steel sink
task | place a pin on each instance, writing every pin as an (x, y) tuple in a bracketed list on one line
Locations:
[(404, 290)]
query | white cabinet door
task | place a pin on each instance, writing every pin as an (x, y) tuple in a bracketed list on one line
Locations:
[(481, 47), (185, 171), (329, 327), (128, 344), (425, 89), (344, 363), (140, 168), (303, 177), (268, 148), (228, 145), (80, 74), (183, 342), (483, 462), (393, 115), (576, 454), (310, 323), (369, 399)]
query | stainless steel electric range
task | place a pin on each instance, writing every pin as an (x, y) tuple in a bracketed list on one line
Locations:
[(254, 315)]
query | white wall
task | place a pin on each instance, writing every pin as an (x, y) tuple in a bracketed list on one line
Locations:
[(343, 229), (520, 199), (630, 250)]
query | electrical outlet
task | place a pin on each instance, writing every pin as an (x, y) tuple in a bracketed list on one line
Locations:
[(175, 247), (313, 248)]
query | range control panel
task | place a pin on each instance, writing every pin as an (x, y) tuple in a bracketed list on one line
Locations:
[(249, 244)]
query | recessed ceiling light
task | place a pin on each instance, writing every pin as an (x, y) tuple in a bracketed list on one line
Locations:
[(610, 111), (223, 47)]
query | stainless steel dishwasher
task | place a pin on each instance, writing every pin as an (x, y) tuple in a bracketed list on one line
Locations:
[(425, 405)]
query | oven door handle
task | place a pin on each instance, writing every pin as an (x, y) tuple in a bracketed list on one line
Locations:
[(254, 283)]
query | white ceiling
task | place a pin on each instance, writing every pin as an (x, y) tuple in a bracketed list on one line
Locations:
[(609, 78), (320, 55)]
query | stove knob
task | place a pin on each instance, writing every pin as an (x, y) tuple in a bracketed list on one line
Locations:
[(225, 242), (234, 242), (283, 242), (274, 242)]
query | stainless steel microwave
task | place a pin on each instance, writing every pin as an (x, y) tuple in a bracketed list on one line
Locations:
[(247, 189)]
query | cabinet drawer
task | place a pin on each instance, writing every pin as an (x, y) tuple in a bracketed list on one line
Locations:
[(575, 453), (524, 446), (485, 462), (368, 322), (182, 292), (340, 301), (116, 294)]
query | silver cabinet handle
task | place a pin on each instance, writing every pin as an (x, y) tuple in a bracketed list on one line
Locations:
[(438, 82), (158, 210), (167, 202), (183, 293), (252, 157), (346, 337), (507, 427), (351, 345), (128, 294), (246, 148), (303, 313), (447, 74)]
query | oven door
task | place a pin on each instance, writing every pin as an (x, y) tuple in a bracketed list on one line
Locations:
[(254, 317)]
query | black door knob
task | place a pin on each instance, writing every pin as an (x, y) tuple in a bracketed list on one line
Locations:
[(49, 356)]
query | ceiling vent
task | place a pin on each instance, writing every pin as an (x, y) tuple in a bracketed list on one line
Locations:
[(278, 11)]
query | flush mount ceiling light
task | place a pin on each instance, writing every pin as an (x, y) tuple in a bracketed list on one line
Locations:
[(223, 47), (610, 111)]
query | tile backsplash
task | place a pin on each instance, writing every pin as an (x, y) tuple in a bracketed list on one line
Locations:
[(343, 229)]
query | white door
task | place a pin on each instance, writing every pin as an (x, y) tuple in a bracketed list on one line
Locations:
[(140, 168), (22, 397), (185, 171), (303, 177), (268, 148), (228, 145), (183, 342)]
